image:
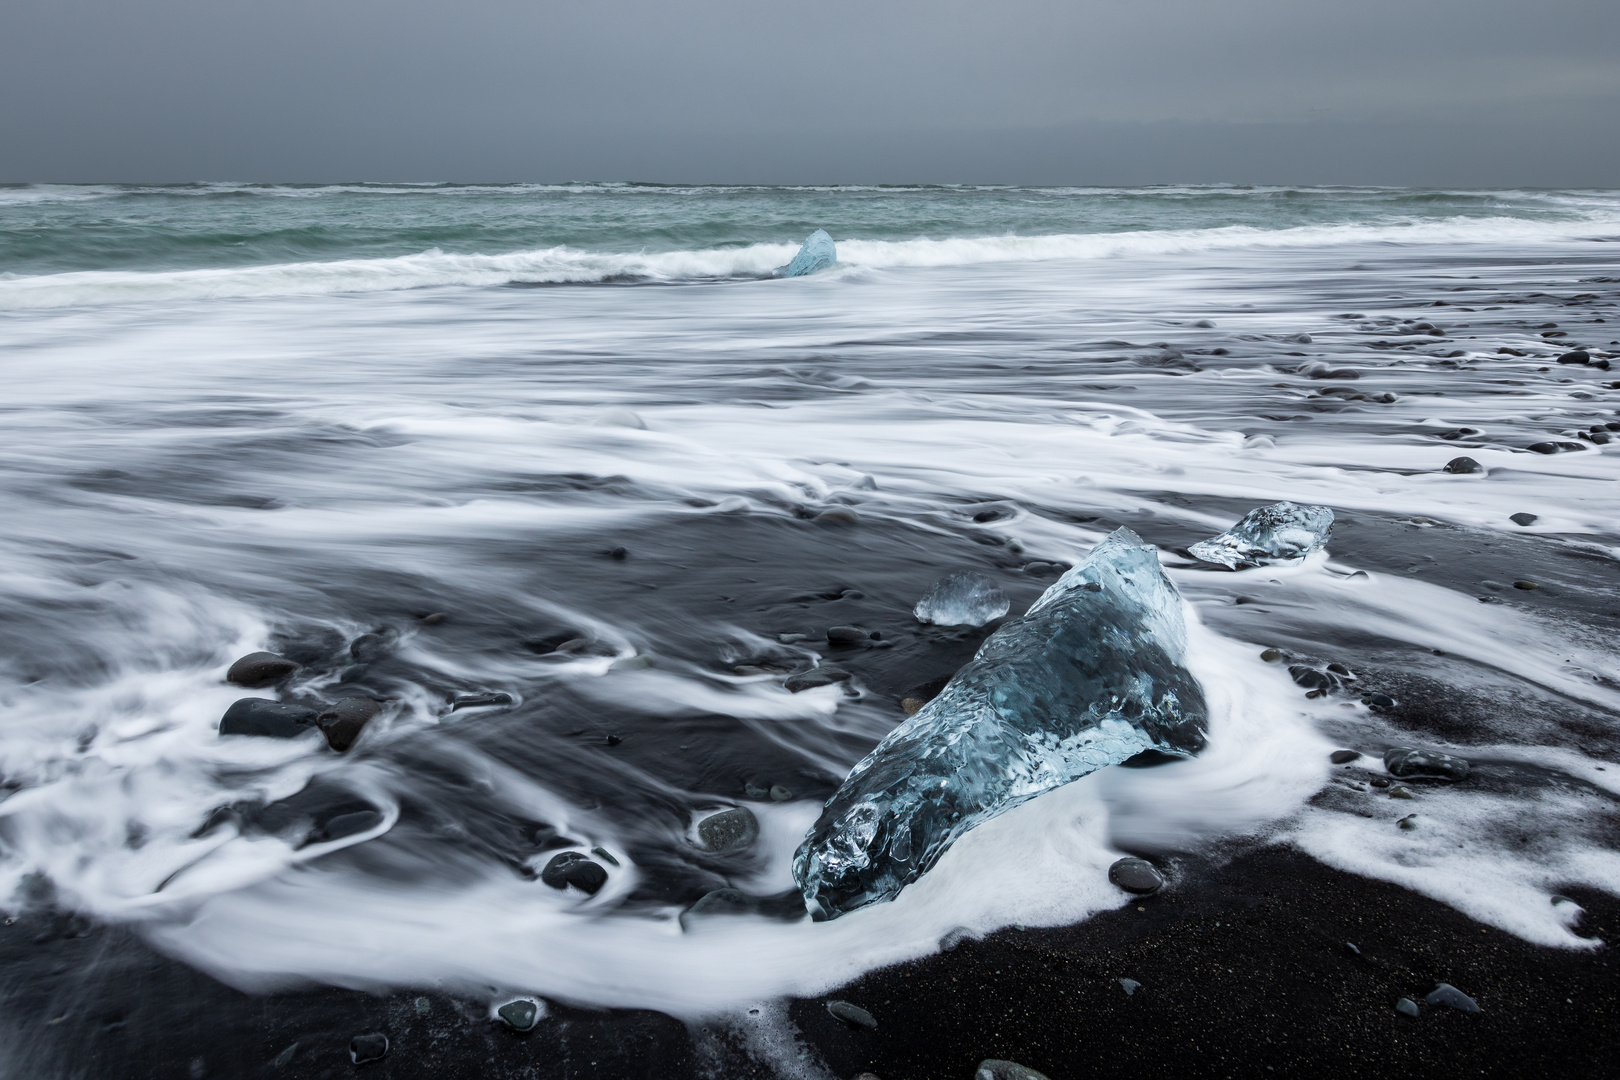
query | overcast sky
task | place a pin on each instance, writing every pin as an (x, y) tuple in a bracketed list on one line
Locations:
[(1485, 92)]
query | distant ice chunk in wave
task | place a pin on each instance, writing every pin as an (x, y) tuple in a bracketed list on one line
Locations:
[(816, 254), (965, 598), (1091, 675), (1280, 532)]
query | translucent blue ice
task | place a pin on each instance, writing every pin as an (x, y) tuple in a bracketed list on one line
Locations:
[(816, 254), (965, 598), (1280, 532), (1091, 675)]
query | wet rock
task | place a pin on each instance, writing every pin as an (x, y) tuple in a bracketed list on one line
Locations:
[(479, 701), (618, 554), (1576, 356), (1271, 656), (369, 1047), (853, 1015), (729, 830), (780, 794), (369, 648), (754, 791), (1554, 447), (343, 722), (1379, 782), (719, 902), (1523, 519), (1319, 370), (1407, 1007), (1378, 702), (433, 619), (423, 1006), (1136, 876), (1343, 757), (270, 719), (1396, 791), (1525, 585), (825, 675), (1452, 998), (846, 635), (1411, 763), (993, 1069), (1409, 822), (572, 868), (1464, 465), (1130, 986), (257, 670), (520, 1015), (838, 515), (1311, 679)]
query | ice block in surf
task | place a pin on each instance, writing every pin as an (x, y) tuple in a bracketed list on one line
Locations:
[(816, 254), (1091, 675), (1280, 532)]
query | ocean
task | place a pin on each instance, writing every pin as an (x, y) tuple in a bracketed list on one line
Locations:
[(568, 480)]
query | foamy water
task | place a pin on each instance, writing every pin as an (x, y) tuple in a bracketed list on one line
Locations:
[(204, 461)]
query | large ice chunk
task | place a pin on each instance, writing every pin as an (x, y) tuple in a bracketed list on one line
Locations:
[(1277, 533), (1091, 675), (816, 254), (965, 598)]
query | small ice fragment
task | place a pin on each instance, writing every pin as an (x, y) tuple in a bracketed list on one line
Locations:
[(1446, 994), (1280, 532), (1130, 986), (1091, 675), (816, 254), (965, 598)]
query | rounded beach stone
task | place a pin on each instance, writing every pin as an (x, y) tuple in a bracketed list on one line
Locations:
[(853, 1015), (838, 515), (1411, 763), (269, 719), (343, 722), (1136, 876), (1407, 1007), (994, 1069), (519, 1015), (572, 868), (1343, 757), (371, 1046), (1525, 585), (1463, 465), (1451, 997), (846, 635), (260, 669), (729, 830), (1523, 519), (825, 675)]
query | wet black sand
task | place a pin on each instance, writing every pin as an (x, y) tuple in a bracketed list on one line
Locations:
[(1243, 967)]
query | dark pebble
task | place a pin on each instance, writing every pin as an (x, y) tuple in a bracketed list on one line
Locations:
[(838, 515), (1554, 447), (519, 1015), (728, 830), (1271, 656), (1525, 585), (368, 648), (846, 635), (1576, 356), (1451, 997), (343, 722), (1378, 702), (825, 675), (1343, 757), (572, 868), (434, 619), (1136, 876), (1407, 1007), (853, 1015), (1310, 678), (479, 701), (369, 1047), (1523, 519), (618, 554), (271, 719), (1410, 763), (1379, 782), (260, 669), (1462, 465), (993, 1069), (720, 902)]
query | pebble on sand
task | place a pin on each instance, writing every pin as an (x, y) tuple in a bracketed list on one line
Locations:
[(853, 1015), (519, 1015), (343, 722), (1136, 876), (1451, 997), (1407, 1007), (993, 1069), (257, 670), (371, 1046)]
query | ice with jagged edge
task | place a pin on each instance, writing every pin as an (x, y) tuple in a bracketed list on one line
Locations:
[(1091, 675), (963, 598), (1280, 532), (817, 253)]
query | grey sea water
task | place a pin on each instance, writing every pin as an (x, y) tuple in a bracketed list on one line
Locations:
[(571, 484)]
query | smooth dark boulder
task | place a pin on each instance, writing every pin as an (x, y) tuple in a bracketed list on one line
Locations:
[(519, 1015), (367, 1048), (1576, 356), (343, 722), (825, 675), (1136, 876), (269, 719), (853, 1015), (729, 830), (1523, 519), (572, 868), (1343, 757), (1411, 763), (1464, 465), (257, 670)]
